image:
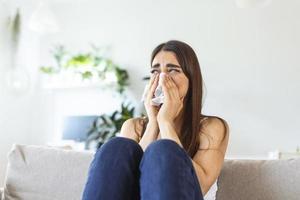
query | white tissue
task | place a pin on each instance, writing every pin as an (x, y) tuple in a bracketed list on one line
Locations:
[(158, 93), (158, 96)]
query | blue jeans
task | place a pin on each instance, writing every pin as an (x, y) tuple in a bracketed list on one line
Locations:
[(121, 170)]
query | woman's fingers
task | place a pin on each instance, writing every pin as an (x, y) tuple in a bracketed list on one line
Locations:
[(171, 83), (152, 87), (148, 86), (152, 79), (171, 88), (168, 82), (165, 87)]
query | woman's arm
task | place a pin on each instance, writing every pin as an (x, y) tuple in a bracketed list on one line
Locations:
[(128, 130), (150, 135), (168, 132), (208, 162)]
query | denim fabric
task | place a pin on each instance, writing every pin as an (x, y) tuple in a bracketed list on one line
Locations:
[(121, 170)]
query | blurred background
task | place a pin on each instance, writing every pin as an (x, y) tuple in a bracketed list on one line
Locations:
[(72, 71)]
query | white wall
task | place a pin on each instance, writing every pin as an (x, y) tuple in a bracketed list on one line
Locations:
[(248, 59)]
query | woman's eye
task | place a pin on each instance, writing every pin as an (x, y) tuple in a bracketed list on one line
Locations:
[(154, 71), (174, 70)]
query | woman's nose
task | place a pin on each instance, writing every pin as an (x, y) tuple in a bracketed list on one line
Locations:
[(163, 70), (161, 74)]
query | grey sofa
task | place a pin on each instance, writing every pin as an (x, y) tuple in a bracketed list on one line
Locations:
[(43, 173)]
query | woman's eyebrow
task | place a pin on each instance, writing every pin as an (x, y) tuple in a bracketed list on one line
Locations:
[(168, 65), (173, 65), (156, 65)]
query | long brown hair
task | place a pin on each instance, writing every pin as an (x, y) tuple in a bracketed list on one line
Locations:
[(192, 112)]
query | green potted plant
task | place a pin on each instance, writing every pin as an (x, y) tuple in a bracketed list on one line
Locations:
[(107, 126), (90, 65), (93, 65)]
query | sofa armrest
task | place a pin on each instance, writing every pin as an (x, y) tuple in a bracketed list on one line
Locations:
[(1, 194)]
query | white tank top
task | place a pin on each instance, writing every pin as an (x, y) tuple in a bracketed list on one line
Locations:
[(211, 194)]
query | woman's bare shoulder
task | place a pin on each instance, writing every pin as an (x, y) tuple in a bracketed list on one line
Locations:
[(132, 128), (214, 131)]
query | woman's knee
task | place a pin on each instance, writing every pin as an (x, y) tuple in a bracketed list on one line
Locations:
[(164, 151), (163, 146), (119, 146)]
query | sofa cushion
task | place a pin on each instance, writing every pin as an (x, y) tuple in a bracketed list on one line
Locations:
[(45, 173), (259, 180)]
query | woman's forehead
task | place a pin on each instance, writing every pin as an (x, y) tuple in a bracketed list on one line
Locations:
[(164, 58)]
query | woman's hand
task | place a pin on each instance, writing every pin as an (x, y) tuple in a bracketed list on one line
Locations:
[(149, 107), (170, 109), (173, 104), (151, 131)]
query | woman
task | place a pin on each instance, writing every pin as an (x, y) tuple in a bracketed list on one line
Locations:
[(176, 152)]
